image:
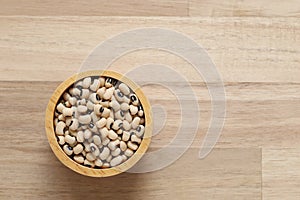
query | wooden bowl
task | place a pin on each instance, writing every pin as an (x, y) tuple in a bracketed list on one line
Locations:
[(85, 170)]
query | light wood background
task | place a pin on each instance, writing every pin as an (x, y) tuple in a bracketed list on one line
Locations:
[(255, 46)]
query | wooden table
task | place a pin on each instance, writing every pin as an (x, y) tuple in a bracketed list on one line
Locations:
[(255, 46)]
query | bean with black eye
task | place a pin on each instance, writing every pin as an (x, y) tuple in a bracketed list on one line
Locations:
[(120, 94), (108, 82), (98, 97), (68, 149), (134, 100), (98, 109), (91, 125), (122, 113)]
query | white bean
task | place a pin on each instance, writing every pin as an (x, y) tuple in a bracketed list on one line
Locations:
[(105, 165), (105, 141), (70, 140), (90, 105), (81, 102), (119, 132), (136, 139), (101, 123), (124, 158), (98, 163), (97, 140), (102, 81), (113, 145), (66, 96), (67, 104), (79, 159), (101, 91), (89, 163), (116, 152), (128, 117), (84, 119), (80, 137), (72, 101), (126, 125), (59, 129), (95, 86), (104, 132), (132, 145), (86, 82), (87, 134), (67, 112), (61, 140), (74, 125), (141, 113), (108, 93), (128, 152), (115, 105), (116, 161), (76, 92), (124, 106), (78, 149), (60, 107), (124, 89), (123, 145), (109, 158), (133, 109), (55, 122), (90, 156), (82, 109), (86, 146), (117, 124), (112, 135), (135, 122), (94, 117), (105, 153), (126, 136), (85, 93), (105, 103), (61, 117)]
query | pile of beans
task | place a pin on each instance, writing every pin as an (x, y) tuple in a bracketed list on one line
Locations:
[(99, 122)]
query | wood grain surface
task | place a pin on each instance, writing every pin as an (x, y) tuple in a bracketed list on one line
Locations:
[(255, 46)]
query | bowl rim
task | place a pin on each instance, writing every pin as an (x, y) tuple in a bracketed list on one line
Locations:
[(69, 162)]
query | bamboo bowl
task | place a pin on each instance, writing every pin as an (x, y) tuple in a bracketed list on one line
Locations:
[(85, 170)]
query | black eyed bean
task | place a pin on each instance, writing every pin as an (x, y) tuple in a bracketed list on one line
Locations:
[(68, 150), (134, 100)]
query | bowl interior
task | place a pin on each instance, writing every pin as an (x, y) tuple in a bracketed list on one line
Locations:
[(85, 170)]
